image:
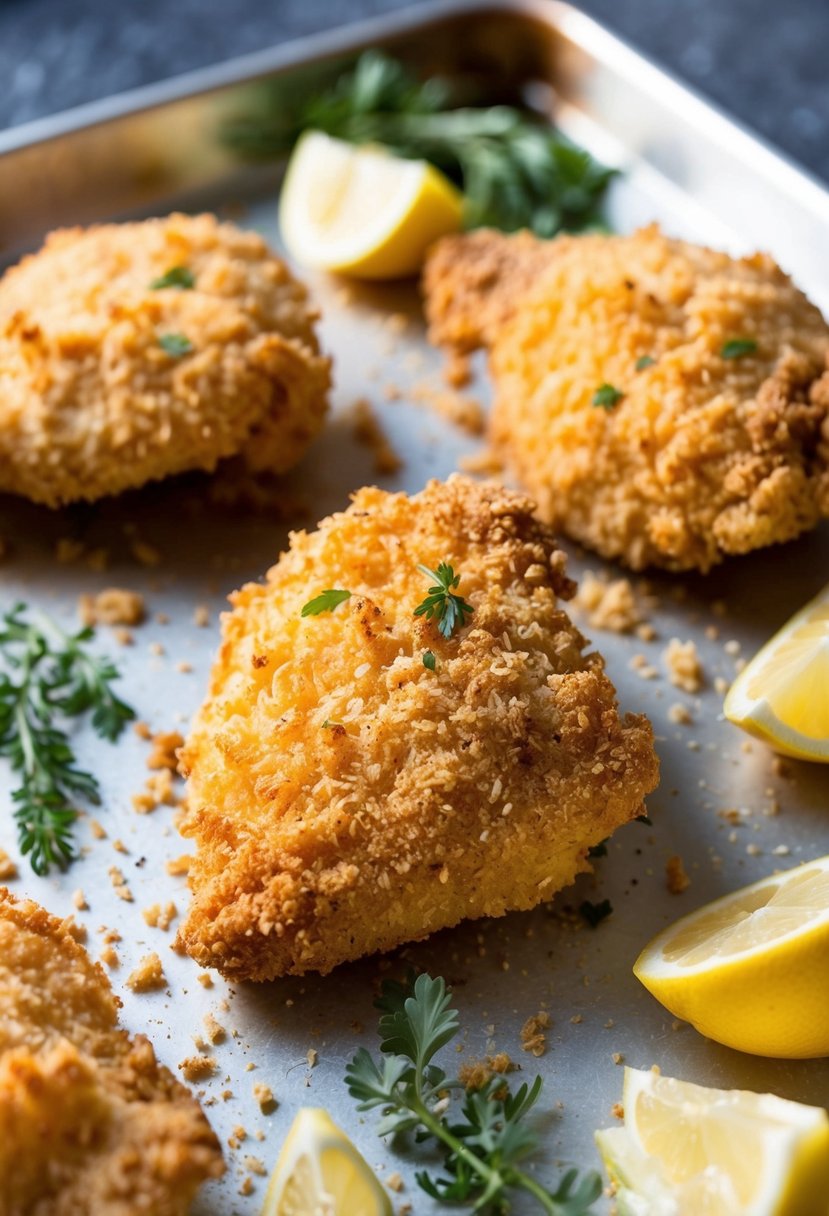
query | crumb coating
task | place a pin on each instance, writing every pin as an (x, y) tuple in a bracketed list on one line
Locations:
[(344, 797)]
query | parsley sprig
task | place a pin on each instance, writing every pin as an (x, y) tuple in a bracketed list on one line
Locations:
[(326, 601), (484, 1142), (514, 169), (50, 675), (441, 602)]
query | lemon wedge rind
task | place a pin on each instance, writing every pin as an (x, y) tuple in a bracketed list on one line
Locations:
[(361, 211)]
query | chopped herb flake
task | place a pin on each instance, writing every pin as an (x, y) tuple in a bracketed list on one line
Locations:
[(176, 276), (738, 347), (441, 602), (607, 397), (644, 361), (429, 660), (175, 344), (594, 914), (326, 601)]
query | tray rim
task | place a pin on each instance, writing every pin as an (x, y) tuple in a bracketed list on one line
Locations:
[(320, 45)]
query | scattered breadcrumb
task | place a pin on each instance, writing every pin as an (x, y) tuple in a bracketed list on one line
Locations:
[(485, 463), (264, 1096), (395, 1182), (255, 1165), (642, 667), (68, 550), (676, 878), (179, 865), (109, 955), (201, 616), (198, 1068), (312, 1056), (216, 1033), (146, 555), (618, 1058), (680, 714), (8, 867), (120, 884), (160, 916), (119, 846), (475, 1073), (142, 729), (533, 1038), (165, 745), (247, 1186), (465, 412), (97, 829), (79, 900), (148, 975), (158, 791), (608, 605), (112, 606), (684, 666), (617, 1110), (205, 979), (369, 432), (184, 667)]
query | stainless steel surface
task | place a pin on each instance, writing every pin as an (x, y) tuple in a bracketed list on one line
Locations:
[(675, 153)]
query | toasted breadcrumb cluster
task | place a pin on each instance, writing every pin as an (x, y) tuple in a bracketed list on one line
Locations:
[(693, 455), (344, 797), (89, 1120), (91, 402)]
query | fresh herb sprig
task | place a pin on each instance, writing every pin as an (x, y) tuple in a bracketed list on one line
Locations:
[(486, 1140), (179, 277), (50, 675), (441, 602), (326, 601), (514, 169)]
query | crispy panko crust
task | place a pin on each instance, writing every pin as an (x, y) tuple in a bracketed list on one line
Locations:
[(90, 402), (703, 456), (344, 797), (90, 1123)]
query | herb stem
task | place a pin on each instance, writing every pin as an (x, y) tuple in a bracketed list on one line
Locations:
[(439, 1129), (517, 1178)]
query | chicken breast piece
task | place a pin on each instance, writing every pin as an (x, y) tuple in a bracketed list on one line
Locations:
[(655, 397), (344, 796), (109, 379), (90, 1123)]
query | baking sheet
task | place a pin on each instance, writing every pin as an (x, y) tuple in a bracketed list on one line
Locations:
[(502, 971)]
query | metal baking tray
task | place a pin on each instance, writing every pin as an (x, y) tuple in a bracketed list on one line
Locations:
[(702, 177)]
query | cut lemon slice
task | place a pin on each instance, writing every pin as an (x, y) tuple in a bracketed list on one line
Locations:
[(321, 1173), (715, 1152), (361, 211), (751, 970), (782, 696)]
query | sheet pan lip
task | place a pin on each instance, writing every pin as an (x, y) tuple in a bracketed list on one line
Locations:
[(593, 35)]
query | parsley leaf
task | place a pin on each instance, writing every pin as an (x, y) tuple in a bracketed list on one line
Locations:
[(429, 660), (484, 1142), (515, 171), (326, 601), (175, 345), (176, 276), (441, 602), (644, 361), (607, 397), (594, 914), (49, 675), (738, 347)]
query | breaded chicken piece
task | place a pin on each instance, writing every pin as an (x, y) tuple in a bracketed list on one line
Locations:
[(700, 455), (91, 402), (90, 1123), (345, 797)]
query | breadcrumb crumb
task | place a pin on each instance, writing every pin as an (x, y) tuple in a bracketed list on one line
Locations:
[(676, 879), (148, 976), (684, 665)]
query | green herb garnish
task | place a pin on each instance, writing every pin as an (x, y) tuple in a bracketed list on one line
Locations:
[(441, 602), (607, 397), (594, 914), (175, 344), (176, 276), (738, 347), (644, 361), (429, 660), (482, 1142), (326, 601), (49, 675), (514, 169)]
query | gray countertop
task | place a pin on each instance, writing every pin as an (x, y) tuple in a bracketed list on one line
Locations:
[(764, 63)]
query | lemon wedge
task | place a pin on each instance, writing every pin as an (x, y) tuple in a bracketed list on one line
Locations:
[(361, 211), (751, 970), (782, 696), (321, 1173), (686, 1149)]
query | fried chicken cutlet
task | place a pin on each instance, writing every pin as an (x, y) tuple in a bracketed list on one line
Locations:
[(657, 398), (358, 780), (90, 1123), (130, 352)]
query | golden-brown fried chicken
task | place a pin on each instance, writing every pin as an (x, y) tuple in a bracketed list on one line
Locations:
[(345, 796), (654, 396), (90, 1123), (109, 379)]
